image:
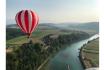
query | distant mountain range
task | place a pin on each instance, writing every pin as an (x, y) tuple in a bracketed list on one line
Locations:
[(82, 26), (90, 26)]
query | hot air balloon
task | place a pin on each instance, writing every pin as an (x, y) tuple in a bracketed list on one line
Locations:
[(27, 21)]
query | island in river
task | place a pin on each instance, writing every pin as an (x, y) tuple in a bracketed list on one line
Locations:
[(90, 54)]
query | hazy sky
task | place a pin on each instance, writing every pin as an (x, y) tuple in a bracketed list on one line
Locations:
[(55, 11)]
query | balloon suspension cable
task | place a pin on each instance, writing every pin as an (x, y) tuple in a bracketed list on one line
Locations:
[(29, 39)]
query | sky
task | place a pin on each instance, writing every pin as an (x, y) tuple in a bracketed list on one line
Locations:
[(55, 11)]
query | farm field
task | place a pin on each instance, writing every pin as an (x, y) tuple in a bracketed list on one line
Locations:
[(91, 54)]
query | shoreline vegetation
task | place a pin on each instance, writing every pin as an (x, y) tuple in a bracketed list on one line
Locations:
[(89, 55), (21, 57)]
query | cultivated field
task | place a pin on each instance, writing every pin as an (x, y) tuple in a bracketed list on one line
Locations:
[(91, 54)]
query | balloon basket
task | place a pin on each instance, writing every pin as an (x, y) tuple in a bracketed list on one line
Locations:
[(30, 41)]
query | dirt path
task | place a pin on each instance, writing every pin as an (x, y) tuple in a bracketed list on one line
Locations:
[(39, 68)]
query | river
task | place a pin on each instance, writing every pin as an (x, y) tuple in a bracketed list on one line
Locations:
[(68, 57)]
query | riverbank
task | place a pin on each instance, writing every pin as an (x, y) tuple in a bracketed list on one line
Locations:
[(44, 65), (40, 52), (89, 54), (68, 56)]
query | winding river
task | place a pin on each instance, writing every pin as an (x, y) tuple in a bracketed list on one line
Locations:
[(67, 59)]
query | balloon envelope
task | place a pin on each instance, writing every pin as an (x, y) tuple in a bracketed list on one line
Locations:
[(27, 20)]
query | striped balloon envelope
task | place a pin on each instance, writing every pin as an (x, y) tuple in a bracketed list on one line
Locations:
[(27, 20)]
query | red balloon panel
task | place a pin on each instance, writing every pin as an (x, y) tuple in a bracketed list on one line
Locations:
[(27, 20)]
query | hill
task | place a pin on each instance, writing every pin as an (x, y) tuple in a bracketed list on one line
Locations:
[(43, 29), (88, 27)]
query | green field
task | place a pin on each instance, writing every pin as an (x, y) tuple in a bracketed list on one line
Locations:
[(36, 36), (91, 54)]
